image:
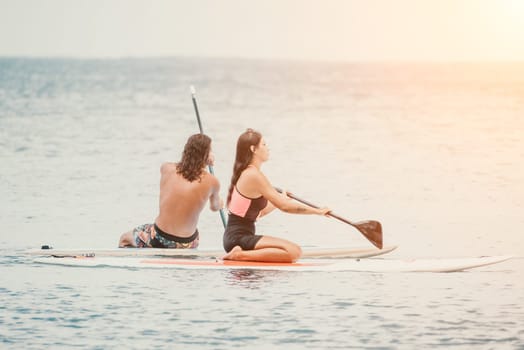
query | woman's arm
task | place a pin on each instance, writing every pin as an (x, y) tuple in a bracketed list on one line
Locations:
[(283, 202), (268, 209)]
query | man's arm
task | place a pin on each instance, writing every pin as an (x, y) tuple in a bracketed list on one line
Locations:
[(215, 202)]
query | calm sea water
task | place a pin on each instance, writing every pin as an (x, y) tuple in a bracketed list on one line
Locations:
[(433, 151)]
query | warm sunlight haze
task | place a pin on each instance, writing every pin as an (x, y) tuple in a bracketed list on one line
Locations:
[(396, 128), (332, 30)]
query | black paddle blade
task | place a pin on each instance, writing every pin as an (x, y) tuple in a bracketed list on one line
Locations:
[(372, 230)]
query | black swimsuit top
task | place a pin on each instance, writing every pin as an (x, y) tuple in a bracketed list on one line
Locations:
[(246, 207)]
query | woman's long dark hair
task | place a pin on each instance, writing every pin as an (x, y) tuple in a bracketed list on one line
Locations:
[(243, 157), (194, 157)]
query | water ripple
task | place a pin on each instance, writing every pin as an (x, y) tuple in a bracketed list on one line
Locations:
[(70, 129)]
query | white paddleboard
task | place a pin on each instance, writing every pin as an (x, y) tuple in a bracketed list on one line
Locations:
[(360, 265), (344, 252)]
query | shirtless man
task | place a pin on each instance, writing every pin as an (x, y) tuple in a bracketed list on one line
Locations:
[(185, 187)]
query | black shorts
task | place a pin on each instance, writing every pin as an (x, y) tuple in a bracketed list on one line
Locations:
[(151, 236), (241, 232)]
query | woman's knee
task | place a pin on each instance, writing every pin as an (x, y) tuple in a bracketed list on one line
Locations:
[(294, 251)]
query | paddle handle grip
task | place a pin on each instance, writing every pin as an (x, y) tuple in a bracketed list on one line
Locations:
[(193, 92)]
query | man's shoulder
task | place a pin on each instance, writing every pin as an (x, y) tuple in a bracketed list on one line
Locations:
[(209, 178), (167, 166)]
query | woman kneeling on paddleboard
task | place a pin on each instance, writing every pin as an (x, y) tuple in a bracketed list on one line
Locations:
[(250, 197)]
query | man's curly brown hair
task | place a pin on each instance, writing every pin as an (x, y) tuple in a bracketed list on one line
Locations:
[(195, 157)]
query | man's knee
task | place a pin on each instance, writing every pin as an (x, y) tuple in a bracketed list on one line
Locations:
[(126, 240)]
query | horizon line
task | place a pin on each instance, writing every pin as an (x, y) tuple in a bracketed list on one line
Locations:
[(263, 59)]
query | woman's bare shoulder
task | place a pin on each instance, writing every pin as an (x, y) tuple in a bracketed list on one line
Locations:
[(255, 178), (251, 174)]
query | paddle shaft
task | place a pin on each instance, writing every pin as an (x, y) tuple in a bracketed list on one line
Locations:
[(303, 201), (210, 167), (371, 229)]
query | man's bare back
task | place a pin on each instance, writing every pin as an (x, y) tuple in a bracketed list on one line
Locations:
[(185, 187), (182, 201)]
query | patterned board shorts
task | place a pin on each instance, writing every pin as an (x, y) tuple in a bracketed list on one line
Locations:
[(150, 236)]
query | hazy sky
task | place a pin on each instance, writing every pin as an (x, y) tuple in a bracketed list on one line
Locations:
[(355, 30)]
